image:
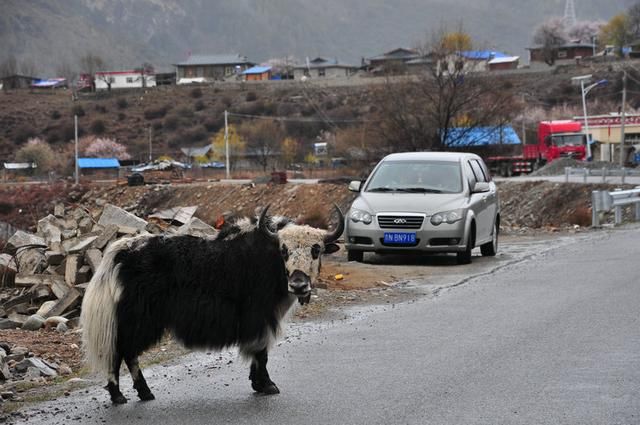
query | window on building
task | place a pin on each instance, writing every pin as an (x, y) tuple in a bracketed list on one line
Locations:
[(562, 54), (322, 72), (129, 80)]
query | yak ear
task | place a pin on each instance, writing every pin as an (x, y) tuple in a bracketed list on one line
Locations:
[(330, 248)]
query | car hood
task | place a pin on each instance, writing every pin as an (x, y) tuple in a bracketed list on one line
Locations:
[(420, 203)]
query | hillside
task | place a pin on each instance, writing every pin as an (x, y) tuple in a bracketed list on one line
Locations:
[(127, 33)]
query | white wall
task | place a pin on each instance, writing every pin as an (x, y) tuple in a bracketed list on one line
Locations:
[(124, 81)]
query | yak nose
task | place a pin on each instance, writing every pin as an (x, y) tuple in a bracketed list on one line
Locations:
[(299, 282)]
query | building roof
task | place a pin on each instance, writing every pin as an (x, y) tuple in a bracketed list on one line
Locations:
[(506, 59), (193, 151), (98, 163), (257, 70), (482, 136), (481, 54), (320, 62), (20, 165), (49, 83), (228, 59), (564, 46), (397, 54)]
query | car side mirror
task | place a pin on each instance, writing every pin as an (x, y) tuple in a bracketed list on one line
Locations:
[(355, 186), (481, 187)]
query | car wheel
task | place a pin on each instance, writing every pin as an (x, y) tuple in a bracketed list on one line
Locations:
[(357, 256), (464, 257), (491, 248)]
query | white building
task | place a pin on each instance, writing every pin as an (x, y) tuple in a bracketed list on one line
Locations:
[(323, 68), (123, 80)]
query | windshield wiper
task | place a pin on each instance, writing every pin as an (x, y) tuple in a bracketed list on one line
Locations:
[(419, 190), (382, 189)]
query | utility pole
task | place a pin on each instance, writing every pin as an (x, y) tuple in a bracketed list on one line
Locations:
[(622, 117), (226, 140), (75, 123)]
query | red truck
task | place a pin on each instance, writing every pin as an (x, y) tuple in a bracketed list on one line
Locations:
[(556, 139)]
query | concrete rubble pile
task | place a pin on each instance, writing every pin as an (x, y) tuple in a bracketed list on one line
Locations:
[(49, 271)]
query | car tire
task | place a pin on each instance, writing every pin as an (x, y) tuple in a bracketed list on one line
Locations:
[(464, 257), (490, 249), (357, 256)]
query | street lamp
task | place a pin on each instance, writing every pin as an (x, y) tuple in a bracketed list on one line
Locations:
[(584, 90)]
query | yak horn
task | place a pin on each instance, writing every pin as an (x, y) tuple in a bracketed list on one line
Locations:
[(262, 224), (337, 232)]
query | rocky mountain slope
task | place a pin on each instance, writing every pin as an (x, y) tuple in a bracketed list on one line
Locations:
[(127, 33)]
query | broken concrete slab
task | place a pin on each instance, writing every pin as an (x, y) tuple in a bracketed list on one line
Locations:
[(93, 257), (83, 275), (23, 239), (28, 280), (35, 363), (110, 232), (74, 262), (31, 261), (9, 324), (45, 308), (83, 244), (114, 215), (58, 210), (178, 214), (54, 258), (50, 228), (69, 301), (197, 227)]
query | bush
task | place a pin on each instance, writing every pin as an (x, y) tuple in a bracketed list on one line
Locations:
[(227, 102), (155, 113), (185, 112), (157, 125), (251, 96), (195, 134), (97, 127), (199, 105), (101, 108), (55, 114), (23, 133), (196, 93), (214, 123), (38, 151), (122, 103), (121, 116), (77, 110), (172, 122)]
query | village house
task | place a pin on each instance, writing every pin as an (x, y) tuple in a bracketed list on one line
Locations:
[(395, 60), (323, 68), (15, 81), (107, 80), (565, 54), (203, 68), (257, 73), (606, 131)]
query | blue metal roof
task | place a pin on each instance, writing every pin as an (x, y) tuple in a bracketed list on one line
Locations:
[(257, 70), (98, 163), (482, 54), (482, 136)]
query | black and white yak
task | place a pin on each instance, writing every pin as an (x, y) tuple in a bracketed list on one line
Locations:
[(233, 290)]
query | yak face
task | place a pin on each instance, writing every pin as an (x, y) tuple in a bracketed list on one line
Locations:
[(301, 248)]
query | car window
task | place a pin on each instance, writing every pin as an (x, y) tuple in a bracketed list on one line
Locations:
[(477, 171), (416, 177), (470, 175)]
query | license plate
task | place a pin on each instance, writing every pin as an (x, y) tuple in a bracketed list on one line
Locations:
[(400, 238)]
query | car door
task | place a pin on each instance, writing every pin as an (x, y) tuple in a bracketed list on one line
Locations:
[(481, 203)]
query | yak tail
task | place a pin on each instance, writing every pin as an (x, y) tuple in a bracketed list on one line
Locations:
[(98, 317)]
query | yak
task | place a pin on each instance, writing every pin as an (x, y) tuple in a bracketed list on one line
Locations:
[(210, 293)]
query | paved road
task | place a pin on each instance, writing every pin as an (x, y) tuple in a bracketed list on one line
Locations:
[(553, 339)]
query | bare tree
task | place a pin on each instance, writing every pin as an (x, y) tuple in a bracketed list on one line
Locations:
[(145, 71), (550, 34), (419, 112), (9, 66), (66, 71), (633, 14), (263, 140), (28, 68), (89, 65)]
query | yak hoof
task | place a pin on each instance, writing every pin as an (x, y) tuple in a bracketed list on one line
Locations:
[(118, 399), (267, 388), (146, 396)]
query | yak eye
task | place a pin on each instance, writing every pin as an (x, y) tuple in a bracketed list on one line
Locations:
[(285, 252), (315, 251)]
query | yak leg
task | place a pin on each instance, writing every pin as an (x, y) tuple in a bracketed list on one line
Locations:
[(260, 381), (113, 383), (139, 383)]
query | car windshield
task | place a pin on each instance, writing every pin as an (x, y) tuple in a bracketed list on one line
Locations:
[(417, 177)]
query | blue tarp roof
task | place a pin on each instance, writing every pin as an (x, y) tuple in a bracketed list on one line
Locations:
[(98, 163), (257, 70), (482, 136), (482, 54)]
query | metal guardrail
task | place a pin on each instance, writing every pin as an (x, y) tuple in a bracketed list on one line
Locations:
[(603, 201), (604, 172)]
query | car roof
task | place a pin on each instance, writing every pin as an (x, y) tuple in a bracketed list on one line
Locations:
[(431, 156)]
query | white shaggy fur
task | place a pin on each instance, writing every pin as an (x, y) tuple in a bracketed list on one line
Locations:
[(99, 309)]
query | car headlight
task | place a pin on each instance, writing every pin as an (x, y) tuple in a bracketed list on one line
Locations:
[(361, 216), (448, 217)]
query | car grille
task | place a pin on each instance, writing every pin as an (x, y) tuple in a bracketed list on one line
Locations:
[(400, 221)]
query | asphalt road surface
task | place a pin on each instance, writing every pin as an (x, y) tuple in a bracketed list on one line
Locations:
[(552, 339)]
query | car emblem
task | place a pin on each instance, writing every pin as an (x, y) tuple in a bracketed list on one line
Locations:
[(400, 221)]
